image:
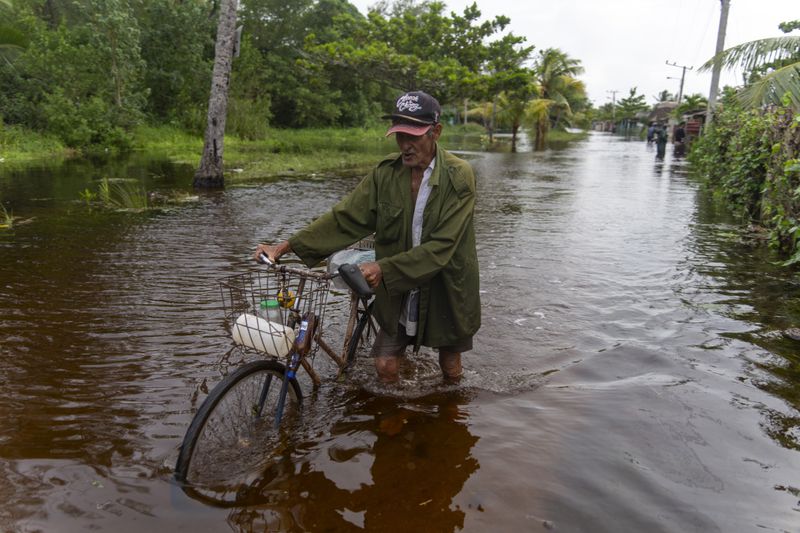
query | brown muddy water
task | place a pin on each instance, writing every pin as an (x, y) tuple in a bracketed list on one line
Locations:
[(631, 373)]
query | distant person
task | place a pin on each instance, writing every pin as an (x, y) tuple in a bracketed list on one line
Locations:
[(661, 140), (419, 204), (679, 140), (651, 133)]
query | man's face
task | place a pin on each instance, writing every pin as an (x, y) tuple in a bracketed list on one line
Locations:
[(418, 150)]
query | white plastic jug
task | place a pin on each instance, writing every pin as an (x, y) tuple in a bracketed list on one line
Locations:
[(265, 336)]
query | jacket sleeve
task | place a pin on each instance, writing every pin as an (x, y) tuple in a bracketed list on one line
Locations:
[(410, 269), (351, 219)]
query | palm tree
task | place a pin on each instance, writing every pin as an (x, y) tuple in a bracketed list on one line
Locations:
[(780, 56), (691, 102), (557, 87), (512, 109), (481, 113), (664, 96)]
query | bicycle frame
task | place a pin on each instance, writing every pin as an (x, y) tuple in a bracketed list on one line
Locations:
[(359, 297)]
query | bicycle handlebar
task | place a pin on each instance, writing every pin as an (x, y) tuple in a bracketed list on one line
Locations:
[(350, 273)]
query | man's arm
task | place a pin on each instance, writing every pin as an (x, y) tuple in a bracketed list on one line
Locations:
[(351, 219)]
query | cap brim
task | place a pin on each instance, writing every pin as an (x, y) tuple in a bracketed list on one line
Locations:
[(409, 129)]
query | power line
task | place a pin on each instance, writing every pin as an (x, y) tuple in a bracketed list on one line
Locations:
[(683, 76)]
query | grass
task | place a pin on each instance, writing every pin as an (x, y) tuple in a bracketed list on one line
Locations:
[(117, 195), (565, 136), (6, 218), (300, 152), (283, 152), (21, 145)]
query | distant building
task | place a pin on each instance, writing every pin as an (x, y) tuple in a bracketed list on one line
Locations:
[(662, 112)]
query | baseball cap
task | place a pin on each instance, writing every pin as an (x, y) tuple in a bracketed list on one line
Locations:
[(414, 113)]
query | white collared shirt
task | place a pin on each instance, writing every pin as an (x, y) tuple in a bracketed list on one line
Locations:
[(410, 311)]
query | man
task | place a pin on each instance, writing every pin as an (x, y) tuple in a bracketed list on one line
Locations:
[(679, 139), (419, 204), (661, 140)]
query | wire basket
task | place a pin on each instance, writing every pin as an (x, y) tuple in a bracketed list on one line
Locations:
[(264, 308)]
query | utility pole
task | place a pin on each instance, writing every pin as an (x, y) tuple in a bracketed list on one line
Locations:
[(613, 105), (712, 93), (683, 76)]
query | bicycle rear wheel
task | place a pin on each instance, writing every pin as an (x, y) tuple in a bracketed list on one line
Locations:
[(234, 429), (363, 335)]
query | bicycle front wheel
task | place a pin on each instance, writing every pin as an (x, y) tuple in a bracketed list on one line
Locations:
[(232, 432)]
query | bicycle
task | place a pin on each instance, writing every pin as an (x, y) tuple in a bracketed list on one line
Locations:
[(250, 404)]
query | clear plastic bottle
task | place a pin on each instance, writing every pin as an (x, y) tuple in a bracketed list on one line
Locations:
[(270, 310)]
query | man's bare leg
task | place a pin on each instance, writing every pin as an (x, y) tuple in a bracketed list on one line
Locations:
[(450, 363), (388, 368)]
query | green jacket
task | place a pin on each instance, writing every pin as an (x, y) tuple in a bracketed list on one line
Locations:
[(444, 266)]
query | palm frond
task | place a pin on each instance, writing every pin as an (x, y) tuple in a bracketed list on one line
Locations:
[(752, 54), (773, 87), (539, 107)]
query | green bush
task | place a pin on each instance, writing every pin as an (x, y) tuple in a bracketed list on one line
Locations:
[(781, 199), (733, 155), (90, 123), (750, 160)]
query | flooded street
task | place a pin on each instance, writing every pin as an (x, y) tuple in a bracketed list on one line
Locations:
[(631, 373)]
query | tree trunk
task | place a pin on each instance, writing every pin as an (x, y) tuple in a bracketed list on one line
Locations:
[(514, 129), (541, 133), (209, 175)]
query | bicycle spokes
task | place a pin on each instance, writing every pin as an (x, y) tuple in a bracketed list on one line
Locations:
[(263, 396)]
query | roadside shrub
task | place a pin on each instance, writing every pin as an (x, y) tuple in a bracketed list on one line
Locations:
[(732, 157), (781, 199), (752, 160)]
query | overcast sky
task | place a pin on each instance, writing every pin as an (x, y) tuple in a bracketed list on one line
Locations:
[(626, 43)]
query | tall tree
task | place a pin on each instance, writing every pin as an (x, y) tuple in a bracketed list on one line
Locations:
[(558, 89), (210, 172), (410, 45), (179, 62), (80, 80), (631, 105), (664, 96), (512, 108)]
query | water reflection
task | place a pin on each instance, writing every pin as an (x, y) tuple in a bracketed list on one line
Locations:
[(384, 464), (756, 292)]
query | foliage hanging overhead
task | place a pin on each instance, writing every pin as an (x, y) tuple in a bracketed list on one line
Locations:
[(772, 66)]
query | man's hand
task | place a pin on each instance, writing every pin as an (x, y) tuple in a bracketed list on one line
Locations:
[(372, 273), (273, 251)]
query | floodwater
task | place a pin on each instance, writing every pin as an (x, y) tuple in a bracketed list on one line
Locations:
[(631, 373)]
